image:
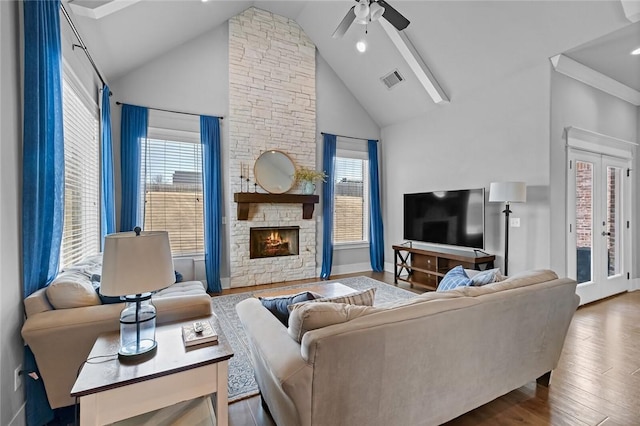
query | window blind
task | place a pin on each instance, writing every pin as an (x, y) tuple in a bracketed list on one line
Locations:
[(351, 189), (171, 184), (81, 231)]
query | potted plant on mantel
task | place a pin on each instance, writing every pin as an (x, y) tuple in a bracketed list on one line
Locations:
[(307, 177)]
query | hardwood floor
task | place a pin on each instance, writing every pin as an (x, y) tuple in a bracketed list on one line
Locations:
[(597, 381)]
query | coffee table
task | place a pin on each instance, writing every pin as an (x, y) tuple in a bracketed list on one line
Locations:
[(325, 290), (110, 390)]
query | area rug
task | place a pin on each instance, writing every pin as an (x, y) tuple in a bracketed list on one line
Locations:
[(242, 383)]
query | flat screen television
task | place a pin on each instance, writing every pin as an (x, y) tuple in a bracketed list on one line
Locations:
[(453, 218)]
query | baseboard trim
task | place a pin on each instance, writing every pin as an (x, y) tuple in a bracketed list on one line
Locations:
[(20, 419), (347, 269)]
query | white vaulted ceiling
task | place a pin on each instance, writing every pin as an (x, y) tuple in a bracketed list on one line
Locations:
[(465, 44)]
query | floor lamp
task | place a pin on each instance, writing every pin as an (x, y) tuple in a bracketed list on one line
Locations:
[(507, 192)]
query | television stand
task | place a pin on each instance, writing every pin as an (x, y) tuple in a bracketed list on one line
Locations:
[(425, 268)]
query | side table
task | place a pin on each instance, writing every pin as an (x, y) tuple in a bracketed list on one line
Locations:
[(110, 390)]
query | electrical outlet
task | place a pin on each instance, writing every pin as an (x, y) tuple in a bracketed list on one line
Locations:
[(17, 378), (514, 222)]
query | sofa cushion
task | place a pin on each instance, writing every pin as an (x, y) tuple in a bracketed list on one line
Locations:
[(456, 277), (525, 278), (311, 316), (72, 289), (278, 306), (486, 277), (362, 298)]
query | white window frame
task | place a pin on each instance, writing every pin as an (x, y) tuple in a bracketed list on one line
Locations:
[(71, 80), (180, 136), (349, 149)]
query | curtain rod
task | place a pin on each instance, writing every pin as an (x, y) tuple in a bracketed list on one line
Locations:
[(175, 112), (82, 45), (349, 137)]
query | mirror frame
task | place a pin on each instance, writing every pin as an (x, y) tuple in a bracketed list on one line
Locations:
[(263, 183)]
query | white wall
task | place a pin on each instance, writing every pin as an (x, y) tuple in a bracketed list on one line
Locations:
[(194, 78), (11, 311), (498, 133), (338, 112), (576, 104)]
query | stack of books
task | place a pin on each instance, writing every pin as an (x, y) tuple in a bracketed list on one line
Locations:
[(199, 333)]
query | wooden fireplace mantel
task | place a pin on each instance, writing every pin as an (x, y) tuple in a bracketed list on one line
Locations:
[(244, 200)]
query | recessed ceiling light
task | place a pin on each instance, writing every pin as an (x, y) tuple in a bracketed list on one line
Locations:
[(361, 46), (636, 52)]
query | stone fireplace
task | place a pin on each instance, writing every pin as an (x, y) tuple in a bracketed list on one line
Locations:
[(274, 242), (272, 106)]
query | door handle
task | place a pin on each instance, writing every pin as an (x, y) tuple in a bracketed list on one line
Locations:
[(606, 234)]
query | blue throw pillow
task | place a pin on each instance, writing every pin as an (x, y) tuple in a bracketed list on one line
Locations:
[(178, 276), (278, 305), (454, 278), (486, 277), (106, 300)]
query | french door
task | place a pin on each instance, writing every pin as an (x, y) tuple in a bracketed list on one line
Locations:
[(598, 210)]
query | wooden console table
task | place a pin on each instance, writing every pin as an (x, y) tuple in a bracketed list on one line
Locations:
[(245, 199), (425, 268)]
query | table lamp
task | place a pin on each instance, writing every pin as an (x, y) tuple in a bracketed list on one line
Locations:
[(135, 264), (507, 192)]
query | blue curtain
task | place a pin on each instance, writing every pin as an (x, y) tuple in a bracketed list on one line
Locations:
[(42, 170), (107, 190), (376, 231), (133, 129), (329, 166), (212, 193)]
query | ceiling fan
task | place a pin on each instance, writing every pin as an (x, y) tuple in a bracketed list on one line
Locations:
[(368, 11)]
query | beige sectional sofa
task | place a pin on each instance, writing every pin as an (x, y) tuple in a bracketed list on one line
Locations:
[(423, 361), (64, 320)]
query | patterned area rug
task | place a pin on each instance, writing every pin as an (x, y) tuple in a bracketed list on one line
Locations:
[(242, 384)]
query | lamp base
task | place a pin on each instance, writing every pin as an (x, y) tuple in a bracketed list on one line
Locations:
[(137, 327)]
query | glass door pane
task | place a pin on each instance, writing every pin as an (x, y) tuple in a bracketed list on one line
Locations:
[(612, 227), (584, 220)]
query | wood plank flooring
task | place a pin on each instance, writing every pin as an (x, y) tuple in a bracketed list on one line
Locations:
[(597, 381)]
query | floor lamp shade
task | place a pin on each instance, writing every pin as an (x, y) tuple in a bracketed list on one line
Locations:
[(135, 264), (507, 192)]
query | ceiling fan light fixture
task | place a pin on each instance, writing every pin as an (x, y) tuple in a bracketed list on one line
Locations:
[(376, 11), (362, 21), (362, 9), (361, 46)]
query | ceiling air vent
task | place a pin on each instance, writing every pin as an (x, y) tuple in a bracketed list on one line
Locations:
[(392, 79)]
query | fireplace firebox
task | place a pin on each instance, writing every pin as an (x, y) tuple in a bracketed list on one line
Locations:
[(274, 241)]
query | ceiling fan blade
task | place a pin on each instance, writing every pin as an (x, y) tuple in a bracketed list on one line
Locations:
[(394, 17), (345, 24)]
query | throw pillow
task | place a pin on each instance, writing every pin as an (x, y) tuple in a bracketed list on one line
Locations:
[(362, 298), (71, 290), (311, 316), (278, 305), (106, 300), (486, 277), (456, 277), (179, 277)]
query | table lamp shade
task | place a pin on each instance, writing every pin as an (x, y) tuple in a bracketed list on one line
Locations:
[(136, 264), (509, 192)]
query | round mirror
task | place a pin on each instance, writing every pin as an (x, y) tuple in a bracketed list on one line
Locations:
[(274, 171)]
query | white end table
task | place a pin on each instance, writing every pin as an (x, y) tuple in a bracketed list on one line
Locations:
[(110, 390)]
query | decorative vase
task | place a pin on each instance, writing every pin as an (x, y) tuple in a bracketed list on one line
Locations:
[(308, 187)]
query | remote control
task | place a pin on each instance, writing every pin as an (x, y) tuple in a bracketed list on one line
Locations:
[(198, 327)]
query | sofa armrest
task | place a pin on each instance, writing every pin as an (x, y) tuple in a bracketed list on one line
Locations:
[(270, 338), (283, 376)]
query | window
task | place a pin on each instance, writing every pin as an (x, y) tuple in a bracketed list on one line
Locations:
[(351, 192), (171, 186), (81, 231)]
